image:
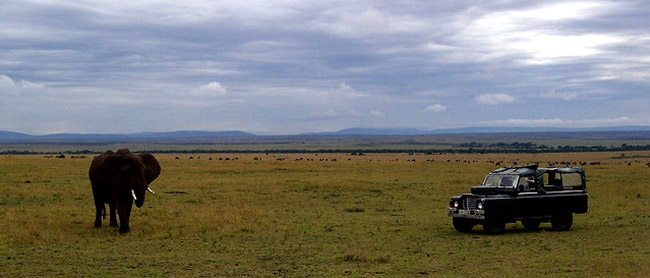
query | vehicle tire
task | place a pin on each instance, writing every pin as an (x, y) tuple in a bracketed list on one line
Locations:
[(562, 221), (463, 225), (494, 224), (531, 224)]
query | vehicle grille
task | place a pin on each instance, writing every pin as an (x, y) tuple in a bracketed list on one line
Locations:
[(470, 203)]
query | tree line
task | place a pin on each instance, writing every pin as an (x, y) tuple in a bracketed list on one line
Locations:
[(464, 148)]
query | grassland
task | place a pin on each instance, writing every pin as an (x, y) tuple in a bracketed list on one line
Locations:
[(377, 215)]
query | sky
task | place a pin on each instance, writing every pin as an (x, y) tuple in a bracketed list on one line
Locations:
[(294, 66)]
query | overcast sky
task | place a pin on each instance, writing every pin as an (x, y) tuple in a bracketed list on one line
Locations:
[(292, 66)]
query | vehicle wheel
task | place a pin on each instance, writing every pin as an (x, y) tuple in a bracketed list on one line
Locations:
[(463, 225), (562, 221), (494, 224), (531, 224)]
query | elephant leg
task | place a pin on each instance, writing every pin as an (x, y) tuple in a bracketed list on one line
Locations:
[(99, 209), (99, 204), (113, 217), (127, 209), (124, 216)]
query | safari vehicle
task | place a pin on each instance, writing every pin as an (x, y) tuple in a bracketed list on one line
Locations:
[(528, 194)]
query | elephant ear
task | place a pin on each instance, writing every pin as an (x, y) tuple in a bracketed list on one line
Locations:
[(151, 167)]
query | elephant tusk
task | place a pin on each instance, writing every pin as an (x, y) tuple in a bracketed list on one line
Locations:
[(149, 189), (133, 193)]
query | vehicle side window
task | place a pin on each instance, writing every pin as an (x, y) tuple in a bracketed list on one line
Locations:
[(522, 182), (526, 183), (552, 179), (507, 181), (571, 180)]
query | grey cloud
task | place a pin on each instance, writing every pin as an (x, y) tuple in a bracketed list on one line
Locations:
[(435, 108), (282, 66), (494, 98), (9, 86), (554, 122), (211, 89), (566, 96)]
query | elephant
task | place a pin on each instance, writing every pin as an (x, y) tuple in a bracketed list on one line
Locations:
[(120, 178)]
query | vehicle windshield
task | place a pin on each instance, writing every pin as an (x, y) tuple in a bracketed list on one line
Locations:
[(501, 180)]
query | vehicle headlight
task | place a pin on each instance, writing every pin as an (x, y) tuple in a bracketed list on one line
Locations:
[(455, 204), (479, 205)]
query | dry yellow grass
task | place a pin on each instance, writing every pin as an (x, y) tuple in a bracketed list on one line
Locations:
[(307, 215)]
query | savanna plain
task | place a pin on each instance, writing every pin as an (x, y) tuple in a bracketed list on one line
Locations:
[(315, 215)]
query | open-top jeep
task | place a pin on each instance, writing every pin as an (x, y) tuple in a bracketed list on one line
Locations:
[(528, 194)]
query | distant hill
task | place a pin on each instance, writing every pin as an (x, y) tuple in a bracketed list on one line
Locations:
[(208, 137), (8, 135)]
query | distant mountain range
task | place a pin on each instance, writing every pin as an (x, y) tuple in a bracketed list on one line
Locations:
[(194, 137)]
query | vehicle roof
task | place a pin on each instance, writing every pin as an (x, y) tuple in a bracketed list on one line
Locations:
[(514, 171), (564, 169), (533, 169)]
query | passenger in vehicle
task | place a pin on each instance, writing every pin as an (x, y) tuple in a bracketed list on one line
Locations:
[(556, 182)]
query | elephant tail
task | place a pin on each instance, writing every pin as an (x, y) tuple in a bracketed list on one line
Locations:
[(103, 212)]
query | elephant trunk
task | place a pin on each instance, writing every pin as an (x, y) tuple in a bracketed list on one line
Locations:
[(138, 189), (139, 201)]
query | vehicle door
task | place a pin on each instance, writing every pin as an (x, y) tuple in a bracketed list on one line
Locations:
[(527, 199)]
